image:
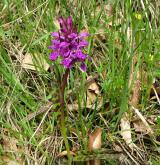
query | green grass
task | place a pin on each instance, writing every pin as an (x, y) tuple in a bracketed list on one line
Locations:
[(115, 41)]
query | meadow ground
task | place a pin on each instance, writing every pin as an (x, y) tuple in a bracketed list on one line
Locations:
[(114, 106)]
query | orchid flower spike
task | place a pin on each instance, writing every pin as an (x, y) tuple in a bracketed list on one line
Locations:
[(68, 44)]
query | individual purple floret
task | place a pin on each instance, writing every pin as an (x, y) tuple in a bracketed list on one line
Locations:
[(68, 44)]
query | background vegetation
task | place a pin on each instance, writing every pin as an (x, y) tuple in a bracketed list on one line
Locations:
[(119, 90)]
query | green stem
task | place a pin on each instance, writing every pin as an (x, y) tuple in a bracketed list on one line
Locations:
[(62, 109)]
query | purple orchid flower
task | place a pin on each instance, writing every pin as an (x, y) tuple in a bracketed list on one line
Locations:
[(68, 44)]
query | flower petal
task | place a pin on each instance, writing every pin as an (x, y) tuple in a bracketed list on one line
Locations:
[(67, 62), (61, 20), (64, 44), (53, 56), (81, 56), (55, 34), (51, 47), (63, 24), (69, 21), (65, 52), (55, 45), (83, 34), (72, 35), (82, 44), (83, 66)]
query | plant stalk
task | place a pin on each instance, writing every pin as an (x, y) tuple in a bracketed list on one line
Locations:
[(62, 110)]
